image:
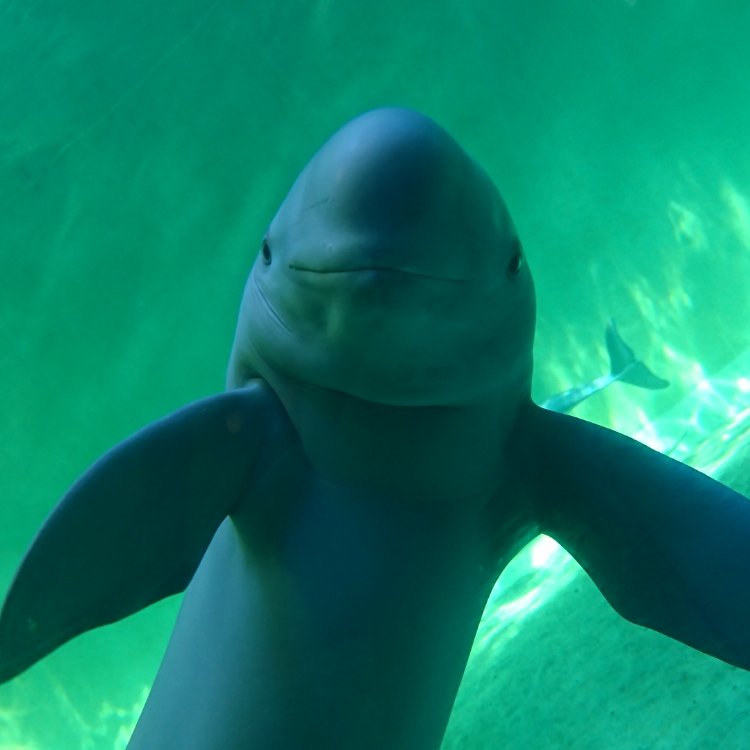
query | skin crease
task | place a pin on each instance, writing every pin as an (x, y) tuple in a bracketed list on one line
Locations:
[(341, 513)]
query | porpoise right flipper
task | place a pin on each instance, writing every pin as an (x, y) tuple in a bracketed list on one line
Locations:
[(667, 546), (135, 526)]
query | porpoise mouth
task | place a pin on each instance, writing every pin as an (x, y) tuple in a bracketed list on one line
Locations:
[(385, 270)]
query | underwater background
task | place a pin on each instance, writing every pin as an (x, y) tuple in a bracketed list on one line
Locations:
[(145, 146)]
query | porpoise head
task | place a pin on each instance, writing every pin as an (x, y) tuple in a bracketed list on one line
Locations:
[(392, 272)]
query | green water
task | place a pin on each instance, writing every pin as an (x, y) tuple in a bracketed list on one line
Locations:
[(144, 147)]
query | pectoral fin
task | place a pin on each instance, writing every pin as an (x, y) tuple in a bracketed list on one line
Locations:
[(667, 546), (133, 529)]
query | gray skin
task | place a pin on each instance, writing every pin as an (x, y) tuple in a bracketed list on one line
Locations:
[(340, 514)]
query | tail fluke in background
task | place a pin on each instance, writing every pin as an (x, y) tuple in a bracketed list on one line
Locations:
[(624, 367)]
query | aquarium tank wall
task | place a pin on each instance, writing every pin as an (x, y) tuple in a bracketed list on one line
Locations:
[(144, 148)]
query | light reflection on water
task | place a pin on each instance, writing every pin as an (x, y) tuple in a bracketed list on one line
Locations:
[(107, 723)]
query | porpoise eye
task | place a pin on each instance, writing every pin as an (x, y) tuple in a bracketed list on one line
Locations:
[(265, 252), (516, 262)]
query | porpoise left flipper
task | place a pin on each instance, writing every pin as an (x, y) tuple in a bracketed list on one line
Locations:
[(666, 545), (133, 529)]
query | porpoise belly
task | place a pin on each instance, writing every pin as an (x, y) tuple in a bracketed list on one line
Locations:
[(343, 627)]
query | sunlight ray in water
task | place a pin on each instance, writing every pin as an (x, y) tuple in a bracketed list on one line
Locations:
[(108, 721), (739, 212)]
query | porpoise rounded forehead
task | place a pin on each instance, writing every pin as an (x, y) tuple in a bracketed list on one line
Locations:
[(388, 165), (393, 187)]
